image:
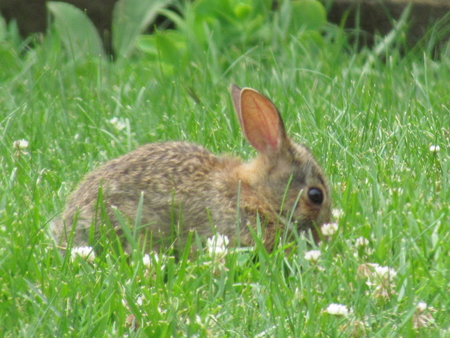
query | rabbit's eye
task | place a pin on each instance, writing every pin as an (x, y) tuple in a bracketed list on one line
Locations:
[(315, 195)]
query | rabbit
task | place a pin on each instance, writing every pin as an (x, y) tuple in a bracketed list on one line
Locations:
[(183, 187)]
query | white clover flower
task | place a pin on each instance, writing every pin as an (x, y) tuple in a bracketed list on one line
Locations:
[(361, 242), (85, 252), (434, 148), (385, 272), (312, 256), (422, 316), (329, 229), (337, 310), (20, 144), (381, 280), (421, 307), (118, 124), (337, 213), (217, 245)]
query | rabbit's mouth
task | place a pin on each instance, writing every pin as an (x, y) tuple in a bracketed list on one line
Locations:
[(303, 226)]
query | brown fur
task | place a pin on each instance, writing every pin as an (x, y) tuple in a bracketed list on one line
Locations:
[(186, 188)]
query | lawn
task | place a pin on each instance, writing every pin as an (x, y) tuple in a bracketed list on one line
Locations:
[(377, 120)]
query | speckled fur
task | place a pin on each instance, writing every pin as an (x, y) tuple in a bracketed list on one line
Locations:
[(185, 188)]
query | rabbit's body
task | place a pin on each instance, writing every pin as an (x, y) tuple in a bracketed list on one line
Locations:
[(186, 188)]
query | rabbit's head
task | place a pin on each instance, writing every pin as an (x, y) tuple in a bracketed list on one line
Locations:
[(284, 174)]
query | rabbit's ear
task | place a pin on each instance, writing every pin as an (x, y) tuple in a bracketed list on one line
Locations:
[(260, 121), (236, 97)]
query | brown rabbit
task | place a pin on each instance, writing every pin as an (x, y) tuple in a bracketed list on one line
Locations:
[(184, 187)]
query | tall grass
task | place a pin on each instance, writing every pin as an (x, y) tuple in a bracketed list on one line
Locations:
[(370, 121)]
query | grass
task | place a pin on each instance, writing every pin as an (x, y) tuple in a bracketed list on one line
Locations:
[(369, 120)]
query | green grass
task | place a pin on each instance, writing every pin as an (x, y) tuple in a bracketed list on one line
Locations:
[(369, 120)]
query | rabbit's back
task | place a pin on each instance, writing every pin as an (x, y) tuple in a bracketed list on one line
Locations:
[(182, 186)]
